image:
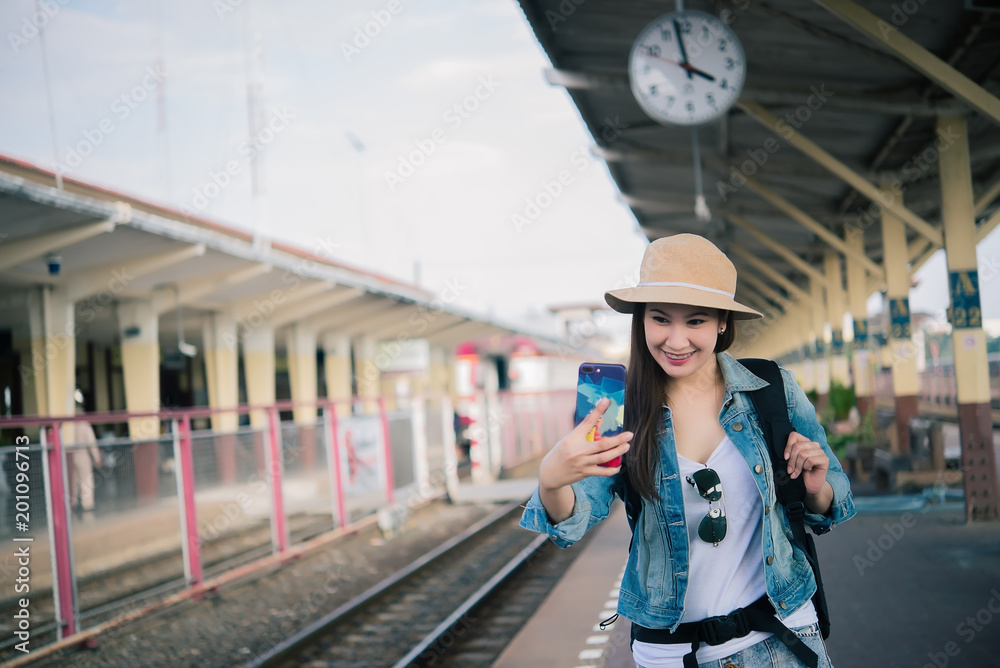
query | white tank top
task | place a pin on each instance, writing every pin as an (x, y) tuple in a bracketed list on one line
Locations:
[(723, 577)]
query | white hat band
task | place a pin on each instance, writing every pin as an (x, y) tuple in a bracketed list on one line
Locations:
[(673, 284)]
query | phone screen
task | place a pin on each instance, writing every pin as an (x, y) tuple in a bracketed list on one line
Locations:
[(596, 382)]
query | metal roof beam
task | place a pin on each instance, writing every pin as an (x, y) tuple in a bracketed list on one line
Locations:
[(337, 318), (304, 308), (890, 38), (268, 302), (18, 252), (658, 205), (813, 226), (755, 300), (777, 248), (769, 271), (373, 325), (852, 178), (433, 325), (775, 165), (987, 196), (115, 276), (191, 291), (863, 104), (470, 329), (768, 294), (406, 325)]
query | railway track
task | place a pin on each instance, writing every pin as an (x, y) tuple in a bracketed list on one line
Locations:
[(103, 595), (459, 604)]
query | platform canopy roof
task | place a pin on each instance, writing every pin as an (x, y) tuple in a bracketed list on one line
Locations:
[(860, 84), (113, 248)]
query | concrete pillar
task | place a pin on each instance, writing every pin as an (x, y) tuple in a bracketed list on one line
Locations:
[(971, 369), (821, 360), (139, 328), (259, 372), (368, 373), (802, 320), (440, 387), (259, 375), (857, 299), (221, 355), (52, 367), (835, 310), (303, 379), (337, 369), (902, 352)]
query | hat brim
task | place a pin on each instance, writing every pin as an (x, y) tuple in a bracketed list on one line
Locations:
[(624, 300)]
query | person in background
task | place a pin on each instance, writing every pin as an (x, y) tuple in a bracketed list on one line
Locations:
[(82, 463)]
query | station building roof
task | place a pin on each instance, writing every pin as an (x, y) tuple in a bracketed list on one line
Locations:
[(112, 247)]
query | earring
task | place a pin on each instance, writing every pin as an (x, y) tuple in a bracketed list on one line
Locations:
[(722, 331)]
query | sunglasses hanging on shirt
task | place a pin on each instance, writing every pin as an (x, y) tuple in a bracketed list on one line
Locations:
[(713, 526)]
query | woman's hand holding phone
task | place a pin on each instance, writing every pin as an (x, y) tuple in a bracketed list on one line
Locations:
[(575, 457)]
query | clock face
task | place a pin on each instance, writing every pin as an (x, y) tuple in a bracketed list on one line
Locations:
[(687, 68)]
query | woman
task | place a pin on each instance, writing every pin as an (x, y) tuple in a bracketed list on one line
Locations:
[(709, 539)]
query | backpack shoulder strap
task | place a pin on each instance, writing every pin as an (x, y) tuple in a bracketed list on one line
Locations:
[(772, 411)]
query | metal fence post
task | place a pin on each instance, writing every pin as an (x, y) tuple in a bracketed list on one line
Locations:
[(184, 474), (57, 509), (332, 442), (390, 481), (279, 526)]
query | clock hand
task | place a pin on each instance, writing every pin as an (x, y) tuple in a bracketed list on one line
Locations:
[(691, 69), (680, 42), (687, 67)]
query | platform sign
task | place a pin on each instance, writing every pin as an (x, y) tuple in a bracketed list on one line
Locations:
[(860, 332), (837, 342), (361, 453), (965, 311), (899, 318)]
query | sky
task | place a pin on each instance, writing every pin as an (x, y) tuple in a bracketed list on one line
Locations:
[(406, 138)]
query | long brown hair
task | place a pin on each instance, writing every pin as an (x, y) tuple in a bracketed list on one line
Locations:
[(645, 389)]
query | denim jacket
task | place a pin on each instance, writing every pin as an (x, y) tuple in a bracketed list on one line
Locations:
[(656, 577)]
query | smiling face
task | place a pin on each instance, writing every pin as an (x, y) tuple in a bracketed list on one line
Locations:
[(682, 338)]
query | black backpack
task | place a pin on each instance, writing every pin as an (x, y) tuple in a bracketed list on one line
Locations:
[(772, 411)]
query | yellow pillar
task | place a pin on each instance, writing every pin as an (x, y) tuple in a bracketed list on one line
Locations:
[(440, 386), (140, 351), (32, 370), (971, 369), (802, 326), (221, 370), (302, 371), (821, 361), (303, 378), (368, 373), (259, 372), (53, 350), (221, 355), (857, 299), (902, 352), (835, 310)]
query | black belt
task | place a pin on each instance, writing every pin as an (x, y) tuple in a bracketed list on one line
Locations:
[(758, 616)]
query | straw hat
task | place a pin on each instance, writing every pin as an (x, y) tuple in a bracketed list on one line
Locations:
[(683, 269)]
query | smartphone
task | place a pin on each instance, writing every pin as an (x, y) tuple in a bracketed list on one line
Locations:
[(595, 382)]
